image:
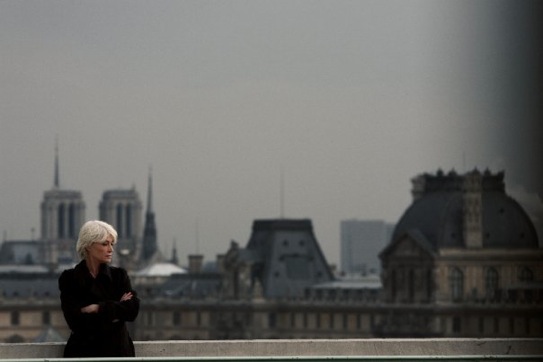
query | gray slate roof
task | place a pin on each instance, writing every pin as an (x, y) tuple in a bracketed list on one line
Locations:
[(437, 215), (286, 257)]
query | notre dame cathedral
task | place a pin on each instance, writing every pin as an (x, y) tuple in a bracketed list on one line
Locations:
[(63, 214)]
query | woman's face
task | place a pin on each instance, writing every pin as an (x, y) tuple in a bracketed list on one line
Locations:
[(102, 251)]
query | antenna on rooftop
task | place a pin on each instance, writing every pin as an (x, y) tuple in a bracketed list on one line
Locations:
[(282, 194), (197, 232), (175, 259), (57, 177)]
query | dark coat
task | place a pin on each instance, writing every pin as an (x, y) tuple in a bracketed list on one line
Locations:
[(102, 334)]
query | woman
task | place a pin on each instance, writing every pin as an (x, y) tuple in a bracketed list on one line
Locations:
[(97, 299)]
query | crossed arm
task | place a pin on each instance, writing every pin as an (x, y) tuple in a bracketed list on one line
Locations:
[(126, 308), (94, 308)]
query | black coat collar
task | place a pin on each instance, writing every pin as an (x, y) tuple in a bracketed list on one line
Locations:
[(82, 271)]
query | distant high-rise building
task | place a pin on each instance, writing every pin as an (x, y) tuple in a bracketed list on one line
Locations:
[(361, 243)]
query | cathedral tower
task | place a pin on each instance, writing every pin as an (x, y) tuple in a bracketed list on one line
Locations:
[(62, 215), (122, 209)]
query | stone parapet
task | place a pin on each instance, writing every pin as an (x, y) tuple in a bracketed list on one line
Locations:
[(303, 348)]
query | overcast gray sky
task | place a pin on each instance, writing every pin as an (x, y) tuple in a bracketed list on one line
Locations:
[(348, 99)]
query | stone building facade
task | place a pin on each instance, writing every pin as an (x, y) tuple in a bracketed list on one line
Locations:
[(468, 251)]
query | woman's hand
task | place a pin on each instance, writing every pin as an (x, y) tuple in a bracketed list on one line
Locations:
[(126, 296), (91, 308)]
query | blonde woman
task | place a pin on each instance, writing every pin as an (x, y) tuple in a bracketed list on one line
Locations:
[(96, 298)]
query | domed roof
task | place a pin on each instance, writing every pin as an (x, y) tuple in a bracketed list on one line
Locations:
[(161, 269), (437, 212)]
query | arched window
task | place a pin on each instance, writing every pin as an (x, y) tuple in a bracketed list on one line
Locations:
[(119, 218), (272, 320), (15, 318), (526, 275), (60, 219), (456, 281), (429, 285), (410, 286), (176, 318), (46, 318), (393, 285), (71, 221), (492, 283)]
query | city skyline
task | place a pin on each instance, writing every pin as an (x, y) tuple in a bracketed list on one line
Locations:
[(166, 248), (256, 110)]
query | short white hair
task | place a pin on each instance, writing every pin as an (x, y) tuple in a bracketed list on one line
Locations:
[(93, 231)]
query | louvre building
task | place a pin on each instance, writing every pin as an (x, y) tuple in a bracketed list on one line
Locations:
[(469, 250)]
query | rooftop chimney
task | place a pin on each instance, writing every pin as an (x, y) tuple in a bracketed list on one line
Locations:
[(195, 263)]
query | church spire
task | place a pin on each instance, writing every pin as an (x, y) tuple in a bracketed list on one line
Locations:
[(150, 191), (149, 230)]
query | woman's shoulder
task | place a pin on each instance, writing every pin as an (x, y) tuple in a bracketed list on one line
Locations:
[(69, 274), (66, 277)]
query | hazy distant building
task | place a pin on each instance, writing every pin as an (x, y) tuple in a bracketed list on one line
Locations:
[(122, 208), (22, 252), (361, 243), (62, 215), (281, 260), (464, 261)]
